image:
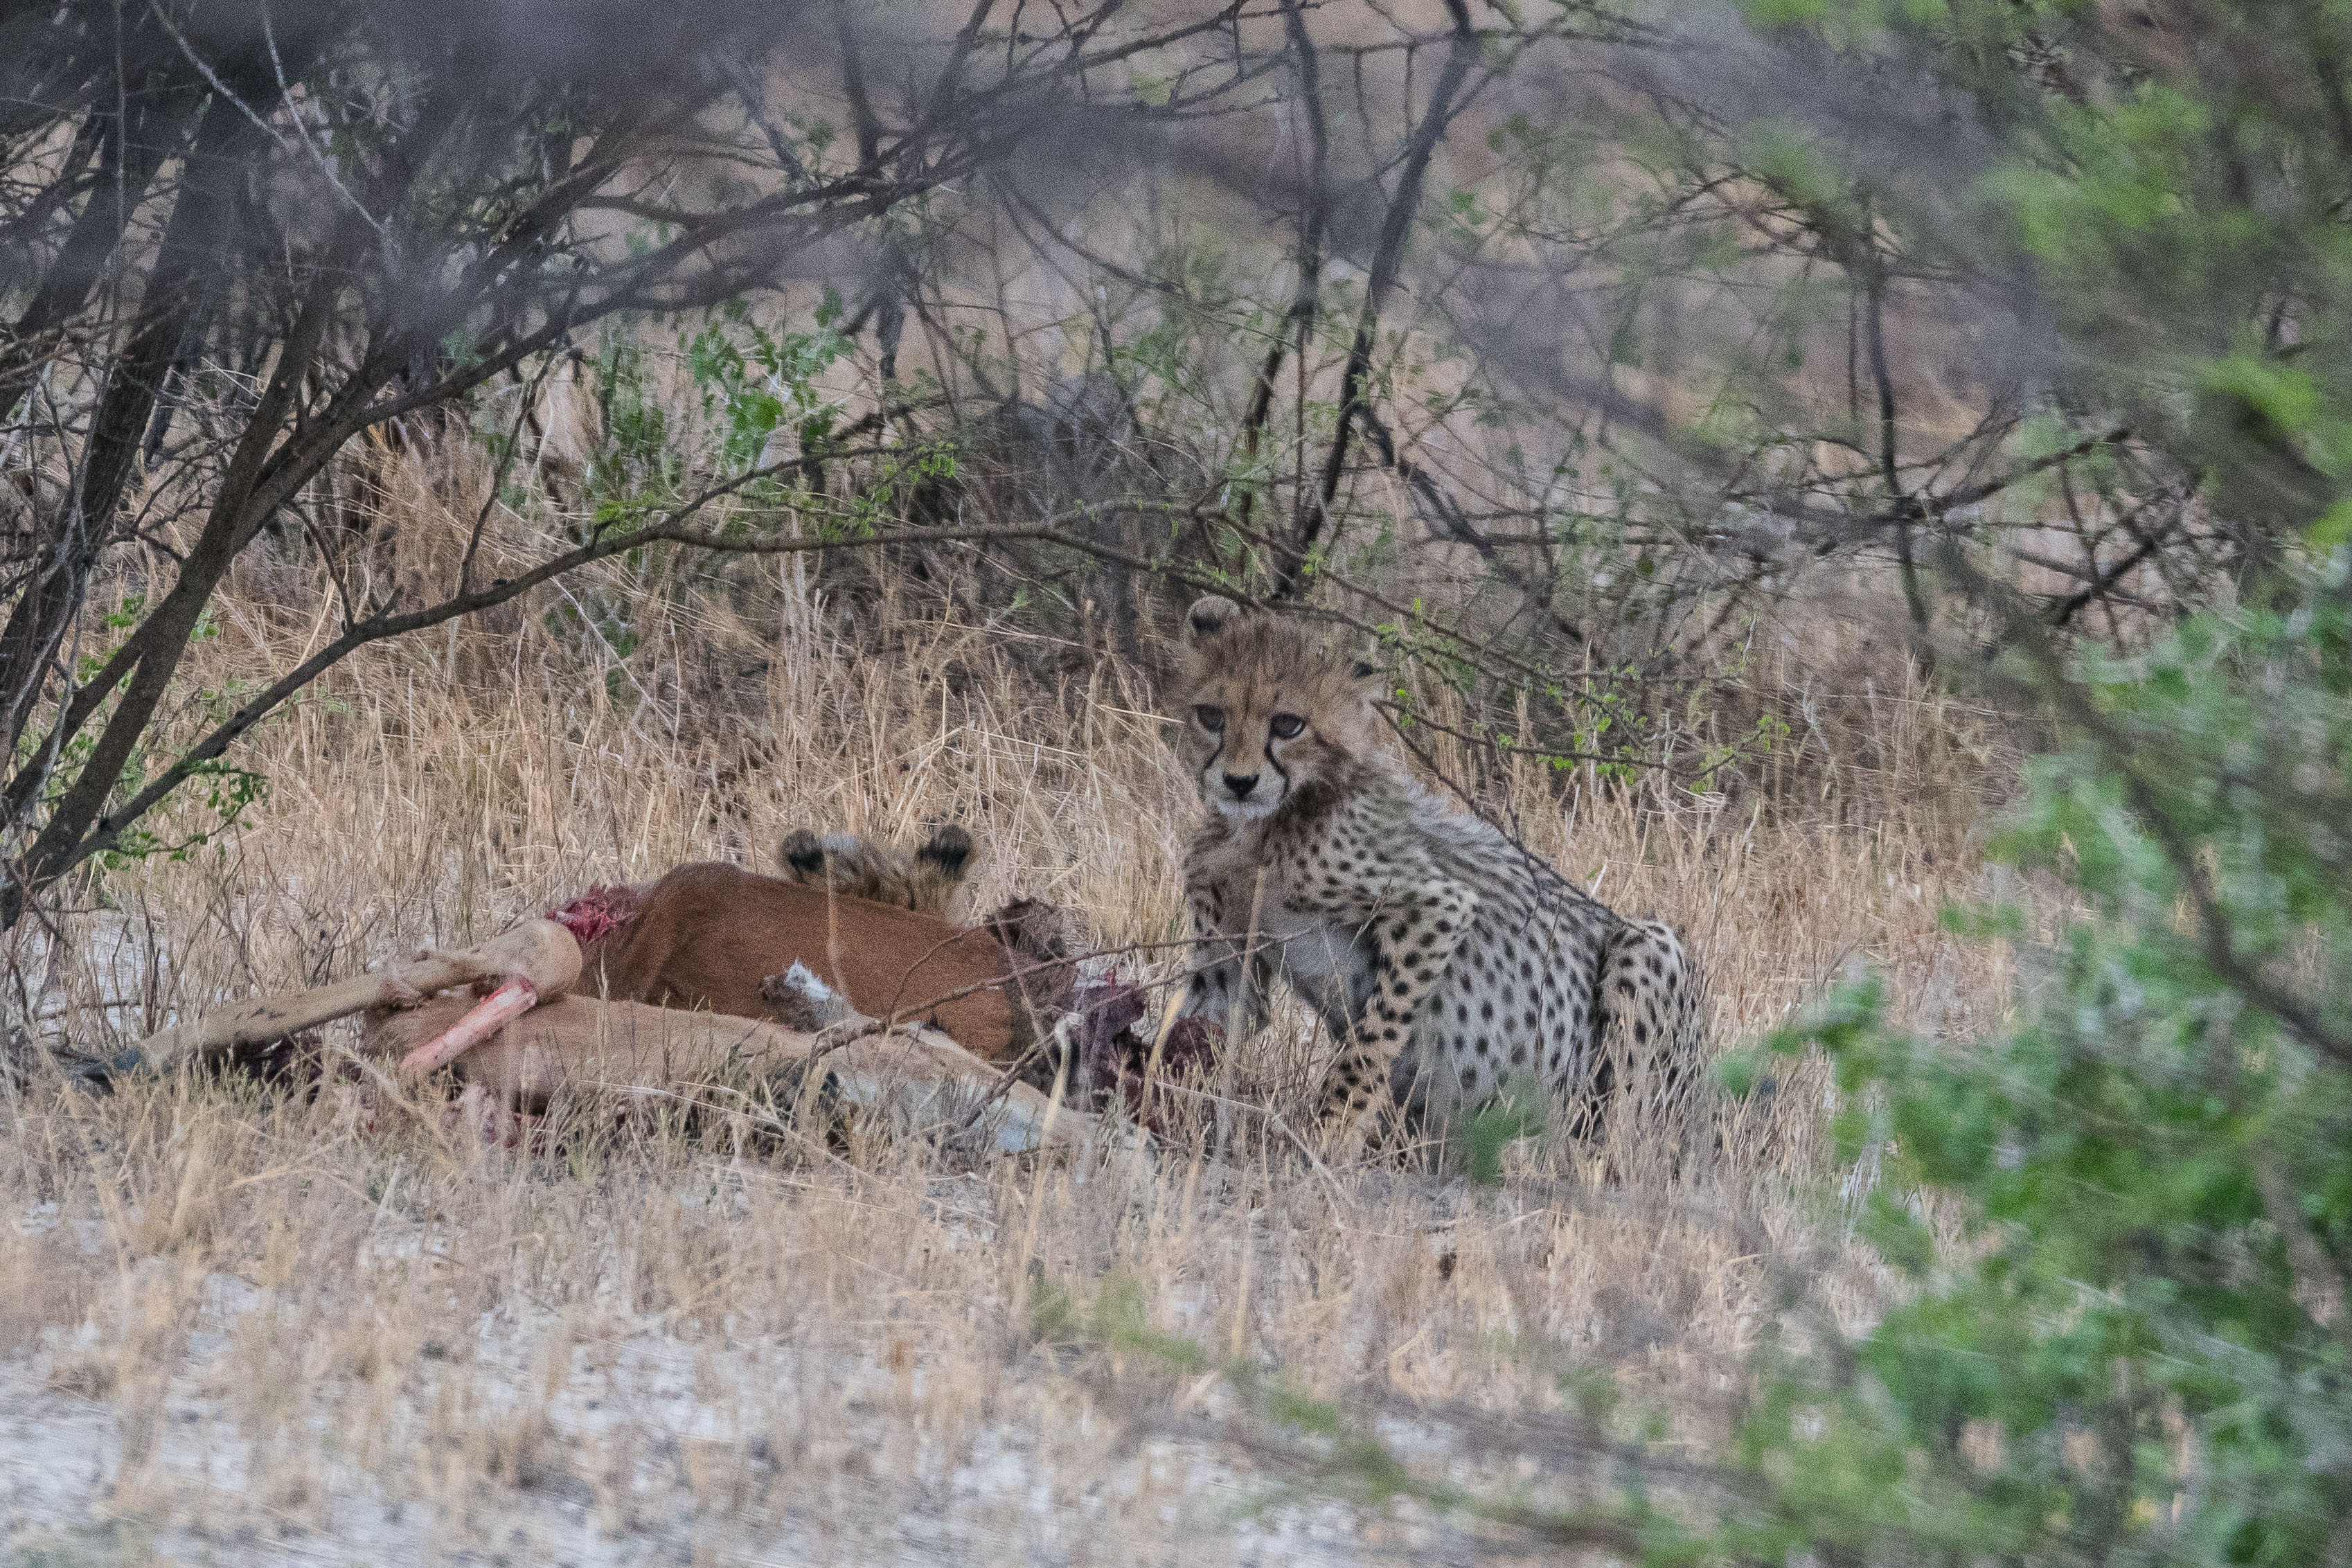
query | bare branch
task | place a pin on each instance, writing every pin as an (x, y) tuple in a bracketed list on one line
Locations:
[(1388, 256)]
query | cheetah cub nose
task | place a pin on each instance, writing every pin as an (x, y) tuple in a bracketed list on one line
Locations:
[(1241, 785)]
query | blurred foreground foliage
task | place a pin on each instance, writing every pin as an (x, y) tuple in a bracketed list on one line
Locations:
[(2130, 1344), (2128, 1215)]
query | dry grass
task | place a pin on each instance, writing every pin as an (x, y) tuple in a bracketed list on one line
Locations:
[(231, 1326)]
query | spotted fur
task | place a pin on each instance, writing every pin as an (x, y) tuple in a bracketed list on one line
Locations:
[(1449, 964), (925, 881)]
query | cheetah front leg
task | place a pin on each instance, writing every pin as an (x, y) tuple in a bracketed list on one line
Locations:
[(1412, 942), (1228, 986)]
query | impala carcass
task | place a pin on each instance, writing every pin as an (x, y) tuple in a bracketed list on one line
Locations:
[(866, 919), (512, 1063), (714, 968), (710, 937), (532, 1038)]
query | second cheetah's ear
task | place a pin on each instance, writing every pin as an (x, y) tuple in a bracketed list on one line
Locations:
[(950, 849), (1210, 615), (804, 852)]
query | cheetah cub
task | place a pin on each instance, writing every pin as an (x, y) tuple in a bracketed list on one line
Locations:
[(1448, 964), (854, 868)]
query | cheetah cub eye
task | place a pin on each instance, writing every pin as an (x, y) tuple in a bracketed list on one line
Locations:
[(1286, 726), (1209, 718)]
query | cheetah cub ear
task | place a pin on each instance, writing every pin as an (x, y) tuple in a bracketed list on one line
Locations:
[(938, 870), (1209, 614), (855, 868)]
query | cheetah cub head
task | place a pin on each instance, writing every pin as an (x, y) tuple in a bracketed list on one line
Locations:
[(854, 868), (1265, 715)]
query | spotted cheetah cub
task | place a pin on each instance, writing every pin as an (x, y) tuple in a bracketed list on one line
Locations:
[(925, 881), (1448, 963)]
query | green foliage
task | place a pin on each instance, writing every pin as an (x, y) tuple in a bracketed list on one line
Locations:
[(2126, 1215), (227, 791), (634, 455), (750, 381), (2134, 1347), (1514, 1115), (656, 452), (747, 384)]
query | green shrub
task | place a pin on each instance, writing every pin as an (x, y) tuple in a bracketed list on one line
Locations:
[(2137, 1350)]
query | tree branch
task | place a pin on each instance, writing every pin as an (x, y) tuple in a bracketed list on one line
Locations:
[(1314, 213), (1387, 258)]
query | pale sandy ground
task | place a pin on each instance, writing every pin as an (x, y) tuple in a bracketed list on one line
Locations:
[(658, 1453), (548, 1430)]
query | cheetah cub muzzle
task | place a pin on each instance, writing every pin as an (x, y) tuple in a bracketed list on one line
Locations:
[(1448, 964)]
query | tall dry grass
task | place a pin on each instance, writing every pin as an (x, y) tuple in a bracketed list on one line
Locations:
[(232, 1322)]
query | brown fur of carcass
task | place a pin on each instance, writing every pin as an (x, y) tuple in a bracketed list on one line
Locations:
[(705, 936)]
